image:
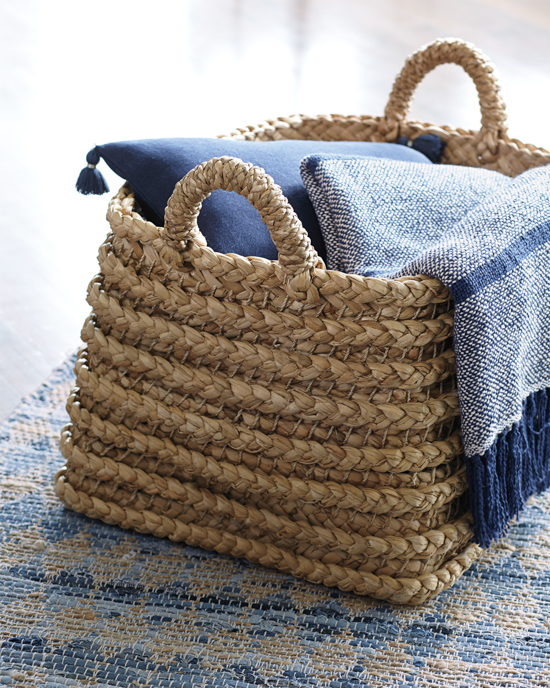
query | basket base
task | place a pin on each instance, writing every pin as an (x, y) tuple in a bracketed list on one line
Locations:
[(410, 591)]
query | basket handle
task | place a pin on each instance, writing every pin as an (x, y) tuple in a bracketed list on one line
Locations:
[(474, 63), (297, 256)]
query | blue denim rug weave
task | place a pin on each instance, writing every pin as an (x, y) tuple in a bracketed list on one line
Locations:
[(87, 604)]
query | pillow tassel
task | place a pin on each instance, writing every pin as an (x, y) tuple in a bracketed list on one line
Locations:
[(90, 180), (430, 145)]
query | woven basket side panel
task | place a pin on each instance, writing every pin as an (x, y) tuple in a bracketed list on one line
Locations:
[(206, 397)]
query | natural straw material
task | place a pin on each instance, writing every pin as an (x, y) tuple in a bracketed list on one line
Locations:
[(298, 417)]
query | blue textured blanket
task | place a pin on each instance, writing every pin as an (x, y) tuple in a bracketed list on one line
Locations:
[(487, 237)]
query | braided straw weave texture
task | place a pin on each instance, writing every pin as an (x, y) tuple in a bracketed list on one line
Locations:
[(301, 418)]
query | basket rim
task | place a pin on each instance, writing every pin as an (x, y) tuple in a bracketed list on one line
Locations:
[(399, 288), (414, 126)]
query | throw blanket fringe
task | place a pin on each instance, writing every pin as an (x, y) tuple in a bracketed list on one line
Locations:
[(514, 468)]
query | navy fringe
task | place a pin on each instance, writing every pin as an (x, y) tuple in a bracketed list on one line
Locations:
[(90, 180), (516, 467), (430, 145)]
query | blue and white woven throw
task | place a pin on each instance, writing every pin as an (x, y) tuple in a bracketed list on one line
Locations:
[(486, 237)]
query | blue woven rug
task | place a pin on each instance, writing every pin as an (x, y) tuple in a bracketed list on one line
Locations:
[(86, 604)]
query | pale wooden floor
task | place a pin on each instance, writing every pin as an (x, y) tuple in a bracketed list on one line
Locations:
[(73, 74)]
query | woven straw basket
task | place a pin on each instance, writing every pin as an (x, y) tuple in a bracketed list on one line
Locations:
[(298, 417)]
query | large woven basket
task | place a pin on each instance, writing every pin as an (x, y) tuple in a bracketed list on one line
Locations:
[(298, 417)]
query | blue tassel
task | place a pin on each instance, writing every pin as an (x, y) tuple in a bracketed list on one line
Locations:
[(516, 467), (90, 180), (430, 145)]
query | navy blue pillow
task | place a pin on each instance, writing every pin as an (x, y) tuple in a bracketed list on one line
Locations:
[(229, 223)]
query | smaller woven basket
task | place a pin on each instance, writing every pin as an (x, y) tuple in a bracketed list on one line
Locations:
[(302, 418)]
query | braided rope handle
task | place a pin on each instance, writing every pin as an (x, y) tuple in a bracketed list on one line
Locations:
[(474, 63), (297, 256)]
